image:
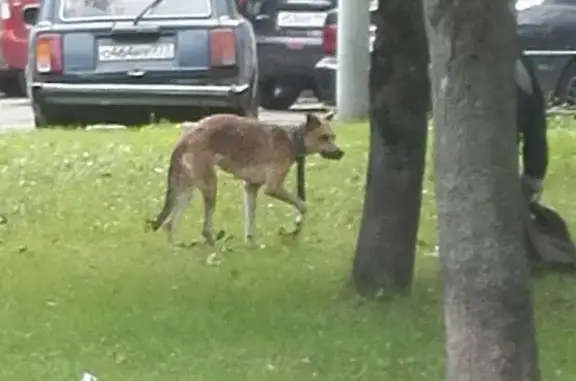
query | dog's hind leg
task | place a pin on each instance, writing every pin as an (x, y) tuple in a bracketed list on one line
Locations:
[(178, 196), (250, 196), (208, 187)]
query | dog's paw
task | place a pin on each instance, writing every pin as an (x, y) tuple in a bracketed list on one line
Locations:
[(150, 225), (289, 233), (190, 244)]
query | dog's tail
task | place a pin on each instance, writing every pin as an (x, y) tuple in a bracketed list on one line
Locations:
[(170, 198)]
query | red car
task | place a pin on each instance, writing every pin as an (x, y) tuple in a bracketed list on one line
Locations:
[(13, 46)]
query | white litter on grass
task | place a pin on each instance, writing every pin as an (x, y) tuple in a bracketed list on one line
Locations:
[(105, 127), (212, 260), (88, 377), (434, 254)]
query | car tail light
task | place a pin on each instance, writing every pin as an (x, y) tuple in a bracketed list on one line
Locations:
[(329, 40), (5, 13), (222, 47), (49, 53)]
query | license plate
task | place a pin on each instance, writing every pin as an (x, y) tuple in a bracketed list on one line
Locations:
[(301, 19), (135, 52)]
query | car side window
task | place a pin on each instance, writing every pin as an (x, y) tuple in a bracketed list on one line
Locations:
[(83, 8), (252, 9)]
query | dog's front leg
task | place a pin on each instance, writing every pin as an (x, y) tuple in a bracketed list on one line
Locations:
[(280, 193), (250, 196)]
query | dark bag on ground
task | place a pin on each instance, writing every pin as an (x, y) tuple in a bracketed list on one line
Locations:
[(549, 244)]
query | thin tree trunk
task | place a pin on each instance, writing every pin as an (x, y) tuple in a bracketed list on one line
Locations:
[(399, 91), (488, 307)]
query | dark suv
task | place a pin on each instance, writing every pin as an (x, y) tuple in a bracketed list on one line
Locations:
[(289, 40), (546, 33)]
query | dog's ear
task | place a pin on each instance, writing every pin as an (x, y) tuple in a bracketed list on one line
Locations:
[(330, 115), (312, 121)]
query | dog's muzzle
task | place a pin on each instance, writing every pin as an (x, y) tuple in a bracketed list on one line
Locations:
[(332, 155)]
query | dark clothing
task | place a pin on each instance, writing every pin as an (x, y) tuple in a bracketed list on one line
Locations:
[(531, 123)]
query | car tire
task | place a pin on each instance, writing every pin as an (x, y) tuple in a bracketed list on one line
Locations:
[(27, 92), (565, 93), (251, 107), (254, 109), (316, 92), (274, 96), (14, 87)]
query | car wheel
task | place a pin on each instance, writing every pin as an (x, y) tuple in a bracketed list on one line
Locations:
[(275, 96), (316, 92), (254, 108), (565, 93), (24, 83), (13, 87), (250, 107)]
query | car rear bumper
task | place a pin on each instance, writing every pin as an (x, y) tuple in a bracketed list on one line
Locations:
[(325, 78), (288, 58), (548, 65), (225, 96)]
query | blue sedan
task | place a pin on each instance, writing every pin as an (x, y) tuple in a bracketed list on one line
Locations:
[(130, 61)]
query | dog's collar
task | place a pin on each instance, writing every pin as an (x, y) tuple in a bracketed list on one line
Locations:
[(298, 148)]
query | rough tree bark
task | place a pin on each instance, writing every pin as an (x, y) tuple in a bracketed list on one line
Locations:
[(399, 91), (488, 307)]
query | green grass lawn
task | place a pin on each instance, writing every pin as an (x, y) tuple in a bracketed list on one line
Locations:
[(84, 288)]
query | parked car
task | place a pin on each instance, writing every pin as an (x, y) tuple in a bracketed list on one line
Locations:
[(326, 68), (547, 33), (13, 46), (289, 35), (120, 62)]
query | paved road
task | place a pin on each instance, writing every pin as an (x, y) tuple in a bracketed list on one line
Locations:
[(17, 115)]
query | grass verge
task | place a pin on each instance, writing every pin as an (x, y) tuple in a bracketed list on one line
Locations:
[(84, 288)]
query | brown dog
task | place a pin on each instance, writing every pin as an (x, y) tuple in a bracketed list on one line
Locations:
[(256, 152)]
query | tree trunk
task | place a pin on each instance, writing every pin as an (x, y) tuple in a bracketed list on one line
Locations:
[(488, 307), (399, 92)]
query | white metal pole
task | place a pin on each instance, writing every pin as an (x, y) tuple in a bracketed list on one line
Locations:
[(352, 99)]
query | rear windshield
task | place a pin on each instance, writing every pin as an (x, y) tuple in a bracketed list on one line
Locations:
[(127, 9)]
